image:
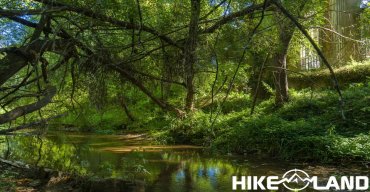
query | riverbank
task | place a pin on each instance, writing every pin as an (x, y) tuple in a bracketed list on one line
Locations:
[(16, 176), (310, 128), (95, 162), (19, 177), (13, 179)]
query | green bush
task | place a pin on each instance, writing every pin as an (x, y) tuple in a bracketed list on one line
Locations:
[(357, 147), (195, 129)]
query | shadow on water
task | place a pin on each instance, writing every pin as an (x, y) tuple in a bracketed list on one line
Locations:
[(134, 158)]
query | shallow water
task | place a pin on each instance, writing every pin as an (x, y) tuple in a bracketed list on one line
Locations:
[(161, 167)]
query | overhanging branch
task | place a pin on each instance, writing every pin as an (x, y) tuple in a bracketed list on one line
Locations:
[(17, 58), (162, 104), (26, 109), (29, 125)]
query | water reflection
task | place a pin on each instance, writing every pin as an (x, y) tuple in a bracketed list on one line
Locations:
[(162, 168)]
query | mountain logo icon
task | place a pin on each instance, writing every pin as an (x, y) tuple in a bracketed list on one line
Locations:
[(294, 180)]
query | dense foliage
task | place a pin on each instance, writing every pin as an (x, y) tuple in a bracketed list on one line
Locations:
[(211, 73)]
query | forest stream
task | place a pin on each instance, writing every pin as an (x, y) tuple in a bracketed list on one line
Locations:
[(156, 167)]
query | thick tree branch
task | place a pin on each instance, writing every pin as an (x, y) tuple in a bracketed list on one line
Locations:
[(164, 105), (29, 125), (23, 110), (27, 23), (66, 58), (17, 58)]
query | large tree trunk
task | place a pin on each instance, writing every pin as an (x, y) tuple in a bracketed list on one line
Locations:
[(190, 53), (281, 79), (286, 31)]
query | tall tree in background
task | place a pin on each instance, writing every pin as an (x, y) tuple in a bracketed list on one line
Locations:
[(190, 53)]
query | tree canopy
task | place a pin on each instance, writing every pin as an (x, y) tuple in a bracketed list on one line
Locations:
[(180, 55)]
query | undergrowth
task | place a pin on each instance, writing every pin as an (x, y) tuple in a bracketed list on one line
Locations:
[(309, 128)]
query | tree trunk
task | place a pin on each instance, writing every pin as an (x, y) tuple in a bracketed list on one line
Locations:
[(281, 79), (123, 104), (190, 54), (286, 31)]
